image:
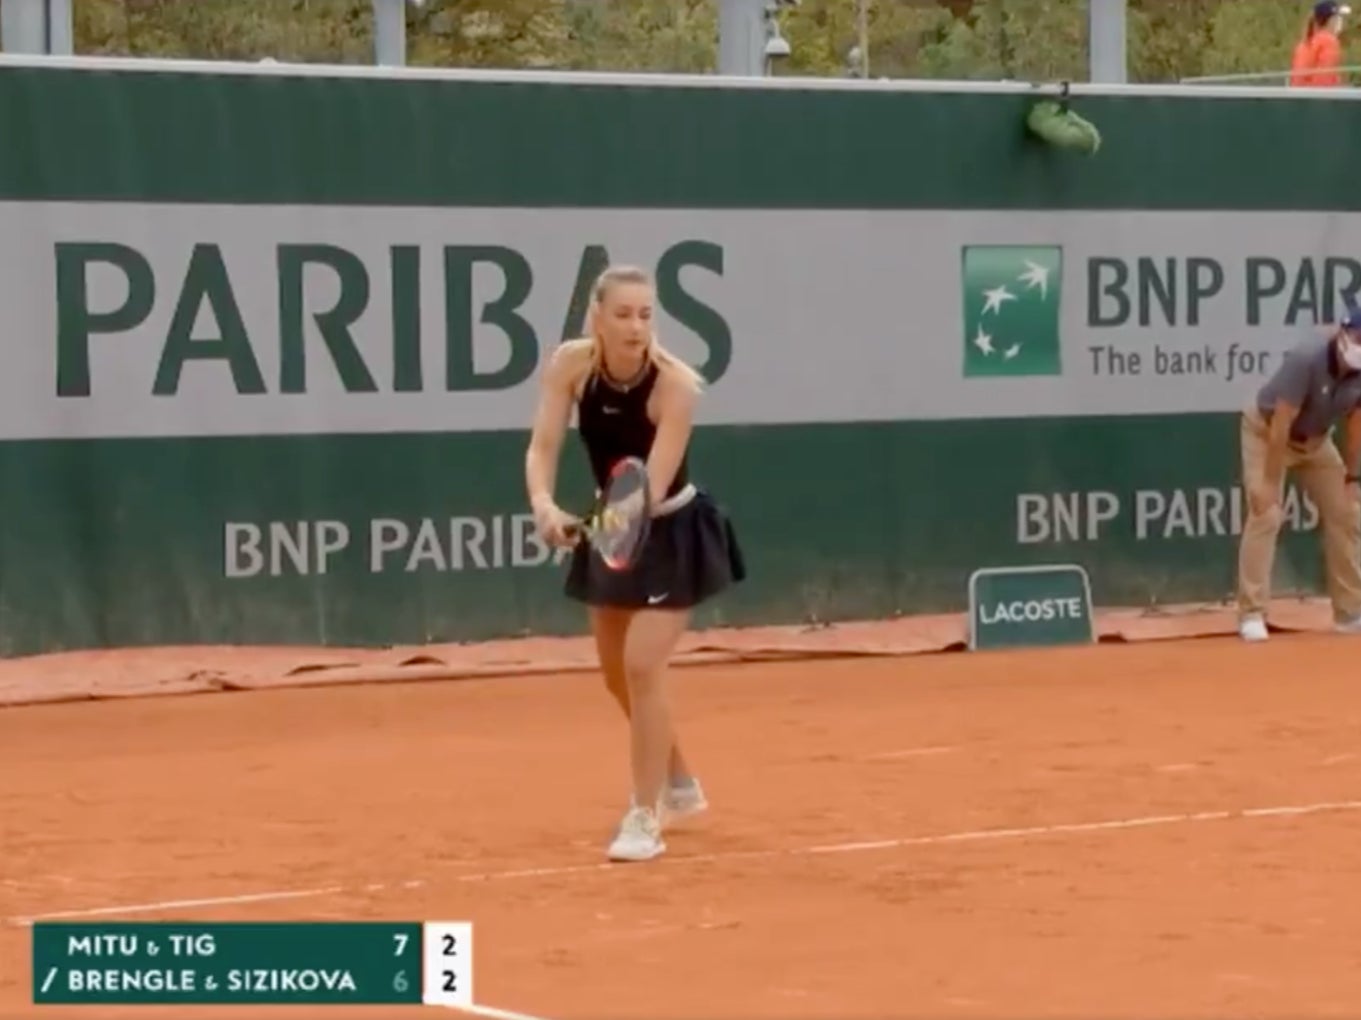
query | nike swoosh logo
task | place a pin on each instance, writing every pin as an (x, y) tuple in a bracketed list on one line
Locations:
[(652, 600)]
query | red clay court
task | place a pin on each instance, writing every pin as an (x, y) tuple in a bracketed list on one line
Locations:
[(1154, 828)]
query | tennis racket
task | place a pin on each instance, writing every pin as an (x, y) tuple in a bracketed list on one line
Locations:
[(618, 525)]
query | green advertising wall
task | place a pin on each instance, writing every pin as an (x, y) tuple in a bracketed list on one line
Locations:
[(271, 339)]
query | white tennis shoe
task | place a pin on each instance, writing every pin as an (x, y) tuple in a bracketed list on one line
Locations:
[(639, 837), (1253, 628), (1349, 626), (683, 798)]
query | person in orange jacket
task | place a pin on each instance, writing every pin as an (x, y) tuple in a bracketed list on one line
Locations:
[(1318, 54)]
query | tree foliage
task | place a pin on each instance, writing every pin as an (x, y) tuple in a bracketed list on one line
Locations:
[(452, 33), (1011, 39), (1250, 36), (822, 34), (337, 31), (979, 39), (679, 36)]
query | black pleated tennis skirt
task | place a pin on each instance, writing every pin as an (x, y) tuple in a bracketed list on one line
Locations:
[(690, 555)]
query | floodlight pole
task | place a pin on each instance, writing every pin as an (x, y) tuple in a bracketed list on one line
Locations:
[(389, 31), (742, 38), (36, 26), (1106, 48)]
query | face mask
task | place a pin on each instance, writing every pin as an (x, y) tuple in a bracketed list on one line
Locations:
[(1350, 352)]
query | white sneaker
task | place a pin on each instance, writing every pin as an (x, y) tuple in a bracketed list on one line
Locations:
[(1252, 628), (684, 798), (639, 837), (1348, 626)]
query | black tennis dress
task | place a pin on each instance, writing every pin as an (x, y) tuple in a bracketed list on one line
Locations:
[(691, 552)]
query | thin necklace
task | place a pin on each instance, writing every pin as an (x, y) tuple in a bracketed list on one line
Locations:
[(624, 385)]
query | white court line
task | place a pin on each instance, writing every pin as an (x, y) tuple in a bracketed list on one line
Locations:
[(678, 860), (151, 908), (496, 1014), (972, 836), (910, 752)]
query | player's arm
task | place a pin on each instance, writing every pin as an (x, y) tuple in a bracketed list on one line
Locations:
[(551, 418), (675, 421)]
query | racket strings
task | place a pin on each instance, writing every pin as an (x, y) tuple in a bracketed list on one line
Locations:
[(621, 522), (622, 511)]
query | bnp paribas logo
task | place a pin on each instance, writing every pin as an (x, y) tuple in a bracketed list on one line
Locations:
[(1011, 309)]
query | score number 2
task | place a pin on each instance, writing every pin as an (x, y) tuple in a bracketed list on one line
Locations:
[(448, 963), (450, 950)]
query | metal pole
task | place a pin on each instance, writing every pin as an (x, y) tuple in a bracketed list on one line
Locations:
[(60, 28), (863, 27), (1106, 41), (389, 32), (23, 26), (741, 38)]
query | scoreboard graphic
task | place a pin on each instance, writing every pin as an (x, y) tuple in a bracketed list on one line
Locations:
[(249, 963)]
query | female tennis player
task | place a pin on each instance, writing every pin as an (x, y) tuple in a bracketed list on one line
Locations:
[(635, 399)]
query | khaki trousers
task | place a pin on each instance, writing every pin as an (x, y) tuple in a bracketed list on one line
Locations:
[(1321, 474)]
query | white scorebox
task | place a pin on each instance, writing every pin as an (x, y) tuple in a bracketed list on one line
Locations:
[(447, 963)]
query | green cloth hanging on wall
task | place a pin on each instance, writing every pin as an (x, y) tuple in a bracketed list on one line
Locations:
[(1061, 127)]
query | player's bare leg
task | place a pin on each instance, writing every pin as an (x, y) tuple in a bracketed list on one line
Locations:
[(651, 638), (610, 627)]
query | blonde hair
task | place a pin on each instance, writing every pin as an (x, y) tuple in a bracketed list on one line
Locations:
[(656, 353)]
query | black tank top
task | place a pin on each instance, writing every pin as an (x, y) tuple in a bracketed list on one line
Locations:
[(613, 422)]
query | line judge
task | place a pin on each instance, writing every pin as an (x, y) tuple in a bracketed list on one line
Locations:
[(1289, 428)]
